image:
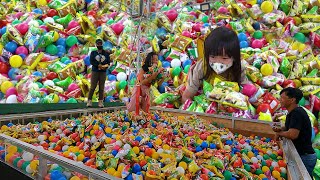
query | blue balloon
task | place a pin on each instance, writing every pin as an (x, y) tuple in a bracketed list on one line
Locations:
[(67, 62), (244, 44), (3, 30), (37, 11), (88, 1), (129, 177), (23, 56), (198, 149), (259, 2), (10, 124), (186, 62), (256, 25), (11, 46), (162, 88), (13, 72), (206, 25), (61, 48), (114, 152), (136, 168), (37, 73), (107, 45), (166, 64), (242, 37), (109, 99), (165, 84), (87, 60), (60, 54), (161, 58), (112, 77), (61, 41)]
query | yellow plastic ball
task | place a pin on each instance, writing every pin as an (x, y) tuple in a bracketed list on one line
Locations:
[(155, 155), (80, 157), (107, 140), (42, 2), (252, 2), (250, 154), (276, 174), (166, 147), (12, 149), (136, 150), (266, 69), (199, 141), (55, 36), (301, 47), (265, 169), (118, 137), (158, 142), (117, 174), (5, 86), (92, 132), (34, 164), (183, 164), (8, 156), (4, 128), (15, 61), (209, 138), (267, 7), (295, 45), (121, 167), (111, 171), (95, 127), (262, 176), (108, 129)]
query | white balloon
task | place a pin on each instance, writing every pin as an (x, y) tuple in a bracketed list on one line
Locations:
[(180, 170), (48, 83), (41, 138), (29, 170), (48, 20), (175, 63), (254, 160), (58, 131), (65, 148), (12, 99), (27, 156), (121, 76)]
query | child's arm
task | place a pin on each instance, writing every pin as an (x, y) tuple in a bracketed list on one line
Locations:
[(149, 79)]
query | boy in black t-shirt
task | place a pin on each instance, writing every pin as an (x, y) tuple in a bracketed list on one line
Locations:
[(298, 127)]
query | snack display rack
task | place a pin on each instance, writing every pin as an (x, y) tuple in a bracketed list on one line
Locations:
[(295, 168)]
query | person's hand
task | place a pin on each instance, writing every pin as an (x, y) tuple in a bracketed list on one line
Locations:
[(276, 137), (100, 66), (276, 129), (276, 116)]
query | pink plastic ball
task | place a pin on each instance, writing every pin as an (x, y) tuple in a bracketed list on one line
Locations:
[(257, 44), (223, 10), (11, 91), (22, 28), (72, 87), (73, 24), (249, 89), (22, 50), (186, 33)]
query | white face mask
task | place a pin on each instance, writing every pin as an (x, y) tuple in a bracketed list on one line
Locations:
[(219, 67)]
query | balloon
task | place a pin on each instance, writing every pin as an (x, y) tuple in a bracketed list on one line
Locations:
[(5, 86), (186, 62), (22, 28), (172, 15), (264, 107), (61, 41), (72, 87), (122, 84), (121, 76), (48, 83), (37, 11), (61, 49), (256, 43), (109, 99), (175, 63), (249, 90), (205, 19), (186, 69), (4, 68), (22, 50), (48, 20), (223, 10), (258, 34), (52, 49), (107, 45), (72, 100), (12, 99), (267, 7), (15, 61), (165, 64), (87, 60), (13, 72), (244, 44), (37, 73), (117, 28), (64, 59), (112, 77), (300, 37), (242, 36), (71, 40), (27, 156), (73, 24), (3, 30), (42, 2), (176, 71), (256, 25), (11, 46), (266, 69), (11, 91), (162, 88)]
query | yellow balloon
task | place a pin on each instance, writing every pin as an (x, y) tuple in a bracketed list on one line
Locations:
[(15, 61), (301, 47), (42, 2), (267, 7), (8, 156), (12, 149), (55, 36), (56, 98), (252, 2), (266, 69), (75, 178), (121, 94), (34, 164), (295, 45), (5, 86)]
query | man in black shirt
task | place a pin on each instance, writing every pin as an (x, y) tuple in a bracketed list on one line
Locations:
[(100, 61), (297, 127)]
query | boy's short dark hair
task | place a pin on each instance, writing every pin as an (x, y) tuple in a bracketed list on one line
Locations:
[(99, 41), (293, 93)]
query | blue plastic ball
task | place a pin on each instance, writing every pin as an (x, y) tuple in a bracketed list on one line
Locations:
[(11, 46), (112, 77), (242, 37), (136, 168), (138, 138), (228, 142), (10, 124), (256, 25), (213, 146), (114, 152), (244, 44), (204, 145), (61, 41), (198, 149)]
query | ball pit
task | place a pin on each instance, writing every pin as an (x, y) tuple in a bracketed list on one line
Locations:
[(148, 146)]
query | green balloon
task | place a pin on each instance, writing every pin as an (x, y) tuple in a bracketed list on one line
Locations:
[(52, 49), (217, 5), (122, 84), (72, 100), (110, 21), (205, 19), (24, 165), (40, 22), (64, 59), (176, 71), (71, 40), (15, 22), (285, 8), (40, 84), (186, 69), (15, 162), (165, 8), (258, 34), (227, 175), (258, 172), (247, 167), (302, 101), (300, 37)]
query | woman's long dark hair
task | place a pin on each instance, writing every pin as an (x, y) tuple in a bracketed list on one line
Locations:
[(148, 62), (221, 41)]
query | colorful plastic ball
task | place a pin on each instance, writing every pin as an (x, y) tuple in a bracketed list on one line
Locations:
[(267, 7), (198, 149), (266, 69), (5, 86), (227, 175), (11, 46), (37, 73), (213, 146), (165, 64), (11, 91), (300, 37), (204, 144), (22, 50), (249, 89), (257, 44), (71, 40), (258, 34), (61, 41), (72, 87), (3, 30), (136, 168), (15, 61), (244, 44), (12, 99), (242, 37), (52, 49)]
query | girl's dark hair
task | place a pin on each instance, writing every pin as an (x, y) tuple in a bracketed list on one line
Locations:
[(148, 62), (223, 40)]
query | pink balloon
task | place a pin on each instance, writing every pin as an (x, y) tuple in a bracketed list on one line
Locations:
[(18, 77), (257, 44), (172, 15), (73, 24), (22, 50), (117, 28), (249, 89), (197, 27), (193, 14), (72, 87), (22, 28), (186, 33), (223, 10), (11, 91)]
